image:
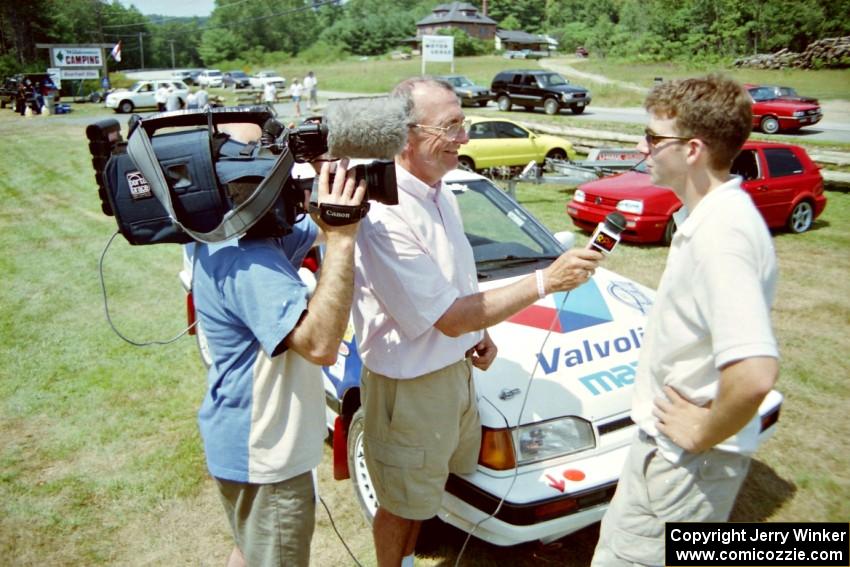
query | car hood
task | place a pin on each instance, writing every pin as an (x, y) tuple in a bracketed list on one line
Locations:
[(474, 89), (568, 89), (785, 104), (629, 185), (803, 99), (585, 366)]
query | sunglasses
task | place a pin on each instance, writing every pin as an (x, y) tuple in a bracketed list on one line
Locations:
[(652, 139)]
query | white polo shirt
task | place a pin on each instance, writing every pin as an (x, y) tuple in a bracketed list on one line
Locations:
[(712, 308), (412, 261)]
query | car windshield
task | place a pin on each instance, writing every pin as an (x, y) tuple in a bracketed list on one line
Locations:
[(787, 91), (504, 236), (460, 82), (762, 93), (551, 80), (213, 73), (238, 74)]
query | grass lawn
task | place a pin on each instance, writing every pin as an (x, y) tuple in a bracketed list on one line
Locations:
[(823, 84), (100, 458)]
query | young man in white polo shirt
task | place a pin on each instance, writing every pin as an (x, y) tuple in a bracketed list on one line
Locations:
[(709, 356), (418, 318)]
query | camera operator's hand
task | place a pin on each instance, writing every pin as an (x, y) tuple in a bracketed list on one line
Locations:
[(318, 334), (340, 191)]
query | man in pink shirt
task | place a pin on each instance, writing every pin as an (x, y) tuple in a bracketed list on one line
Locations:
[(421, 323)]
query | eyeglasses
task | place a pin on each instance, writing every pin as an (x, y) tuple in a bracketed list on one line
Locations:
[(450, 132), (652, 138)]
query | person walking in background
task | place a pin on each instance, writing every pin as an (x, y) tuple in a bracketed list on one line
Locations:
[(39, 91), (269, 94), (172, 102), (191, 100), (161, 97), (21, 99), (295, 91), (709, 356), (202, 98), (311, 86)]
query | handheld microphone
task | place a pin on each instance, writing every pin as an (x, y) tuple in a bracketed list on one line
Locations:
[(366, 127), (607, 233)]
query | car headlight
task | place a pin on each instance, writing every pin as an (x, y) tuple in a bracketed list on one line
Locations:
[(799, 113), (555, 438), (578, 196), (503, 449), (566, 97), (630, 206)]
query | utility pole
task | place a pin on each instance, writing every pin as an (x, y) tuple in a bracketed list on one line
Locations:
[(142, 49), (172, 53)]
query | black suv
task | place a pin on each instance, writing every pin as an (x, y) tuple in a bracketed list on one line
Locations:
[(535, 88)]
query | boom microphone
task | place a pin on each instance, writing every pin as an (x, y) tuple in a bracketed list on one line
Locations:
[(366, 127), (607, 233)]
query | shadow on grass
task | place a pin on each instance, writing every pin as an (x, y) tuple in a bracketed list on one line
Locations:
[(763, 493), (443, 542)]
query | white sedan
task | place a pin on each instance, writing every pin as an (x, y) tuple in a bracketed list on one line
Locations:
[(143, 95), (261, 79), (211, 78)]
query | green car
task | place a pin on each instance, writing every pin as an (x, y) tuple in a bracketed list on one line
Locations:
[(495, 142)]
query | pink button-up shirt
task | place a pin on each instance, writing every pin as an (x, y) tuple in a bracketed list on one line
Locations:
[(412, 262)]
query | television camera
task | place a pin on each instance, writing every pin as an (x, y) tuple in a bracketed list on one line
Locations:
[(172, 186)]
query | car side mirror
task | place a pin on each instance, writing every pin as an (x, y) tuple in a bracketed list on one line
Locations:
[(566, 238)]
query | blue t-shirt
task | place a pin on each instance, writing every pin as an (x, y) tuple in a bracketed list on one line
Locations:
[(256, 419)]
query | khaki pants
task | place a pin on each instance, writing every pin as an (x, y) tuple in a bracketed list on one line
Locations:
[(271, 523), (652, 491), (416, 432)]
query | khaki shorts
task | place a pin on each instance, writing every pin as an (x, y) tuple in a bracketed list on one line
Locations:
[(652, 491), (272, 524), (416, 432)]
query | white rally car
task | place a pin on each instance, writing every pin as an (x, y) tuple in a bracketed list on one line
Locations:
[(554, 405)]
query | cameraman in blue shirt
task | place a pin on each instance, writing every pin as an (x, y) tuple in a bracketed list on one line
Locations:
[(262, 419)]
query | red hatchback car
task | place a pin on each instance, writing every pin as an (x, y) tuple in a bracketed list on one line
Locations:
[(784, 183), (781, 108)]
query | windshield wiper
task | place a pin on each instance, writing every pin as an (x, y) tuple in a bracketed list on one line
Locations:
[(511, 260)]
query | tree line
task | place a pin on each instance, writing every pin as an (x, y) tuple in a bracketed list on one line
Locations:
[(267, 31)]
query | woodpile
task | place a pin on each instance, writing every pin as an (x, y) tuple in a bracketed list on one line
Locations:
[(832, 52)]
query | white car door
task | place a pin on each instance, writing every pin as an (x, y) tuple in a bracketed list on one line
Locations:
[(146, 95)]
